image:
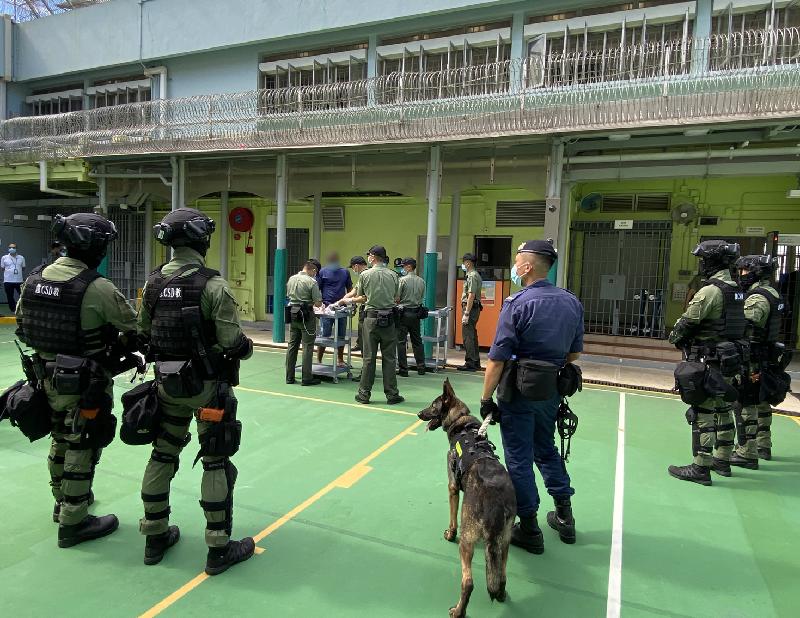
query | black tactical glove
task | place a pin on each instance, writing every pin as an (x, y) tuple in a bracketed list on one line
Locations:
[(488, 406)]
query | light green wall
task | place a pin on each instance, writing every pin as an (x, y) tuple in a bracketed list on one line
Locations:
[(739, 202)]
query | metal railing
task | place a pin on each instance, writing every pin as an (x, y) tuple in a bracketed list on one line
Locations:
[(621, 88)]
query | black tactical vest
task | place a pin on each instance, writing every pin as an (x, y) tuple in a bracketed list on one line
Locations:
[(51, 319), (165, 297), (731, 325), (770, 332), (467, 448)]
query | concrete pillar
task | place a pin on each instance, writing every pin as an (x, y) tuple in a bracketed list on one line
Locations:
[(553, 212), (518, 52), (224, 233), (102, 208), (431, 255), (452, 257), (148, 237), (372, 67), (700, 34), (176, 181), (563, 235), (182, 182), (279, 278), (316, 232)]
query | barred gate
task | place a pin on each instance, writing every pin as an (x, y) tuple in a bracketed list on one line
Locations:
[(621, 276), (126, 254)]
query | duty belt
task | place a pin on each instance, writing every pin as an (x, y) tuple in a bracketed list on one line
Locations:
[(373, 313)]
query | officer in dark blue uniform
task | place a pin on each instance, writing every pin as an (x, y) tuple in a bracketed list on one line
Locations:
[(543, 323)]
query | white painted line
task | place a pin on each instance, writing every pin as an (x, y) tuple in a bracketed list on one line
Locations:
[(614, 602)]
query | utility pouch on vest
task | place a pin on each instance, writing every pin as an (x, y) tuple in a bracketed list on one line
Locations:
[(101, 430), (69, 374), (716, 386), (507, 385), (299, 313), (179, 378), (729, 358), (780, 356), (140, 414), (223, 437), (385, 317), (536, 380), (422, 312), (690, 378), (775, 385), (28, 409), (570, 380)]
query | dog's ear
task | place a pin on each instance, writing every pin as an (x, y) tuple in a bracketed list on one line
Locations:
[(448, 394)]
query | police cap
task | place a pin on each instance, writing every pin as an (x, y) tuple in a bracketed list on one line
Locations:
[(469, 256), (539, 247), (409, 262), (378, 251)]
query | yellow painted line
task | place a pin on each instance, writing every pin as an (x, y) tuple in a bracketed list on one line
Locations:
[(7, 319), (259, 550), (344, 481), (795, 419), (327, 401)]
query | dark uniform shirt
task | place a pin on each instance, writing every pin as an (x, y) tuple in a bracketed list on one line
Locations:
[(334, 283), (542, 322)]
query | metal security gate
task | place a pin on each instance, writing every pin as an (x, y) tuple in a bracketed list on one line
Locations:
[(126, 254), (621, 276)]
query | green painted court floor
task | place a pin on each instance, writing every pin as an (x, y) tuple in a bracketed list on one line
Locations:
[(349, 504)]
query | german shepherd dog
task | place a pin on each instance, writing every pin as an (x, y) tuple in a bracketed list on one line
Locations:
[(489, 505)]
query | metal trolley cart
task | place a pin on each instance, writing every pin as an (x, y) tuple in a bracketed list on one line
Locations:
[(332, 369), (438, 339)]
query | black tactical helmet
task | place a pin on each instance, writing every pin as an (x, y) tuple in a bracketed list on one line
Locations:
[(85, 232), (758, 267), (716, 255), (185, 227)]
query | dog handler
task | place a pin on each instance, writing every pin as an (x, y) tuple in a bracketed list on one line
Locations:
[(540, 330)]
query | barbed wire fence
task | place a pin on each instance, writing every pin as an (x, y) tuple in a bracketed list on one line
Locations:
[(750, 75)]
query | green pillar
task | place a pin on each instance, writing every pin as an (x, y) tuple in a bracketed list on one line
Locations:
[(103, 267), (429, 274), (551, 274), (279, 297)]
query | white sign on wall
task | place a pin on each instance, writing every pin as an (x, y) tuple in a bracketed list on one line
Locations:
[(623, 224), (754, 231)]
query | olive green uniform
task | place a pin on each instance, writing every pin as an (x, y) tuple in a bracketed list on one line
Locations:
[(714, 416), (756, 418), (469, 331), (217, 304), (302, 289), (411, 292), (380, 285), (71, 466)]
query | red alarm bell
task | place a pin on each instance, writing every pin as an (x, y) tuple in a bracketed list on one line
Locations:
[(241, 219)]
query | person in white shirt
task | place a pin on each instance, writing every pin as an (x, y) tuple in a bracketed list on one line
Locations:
[(13, 266)]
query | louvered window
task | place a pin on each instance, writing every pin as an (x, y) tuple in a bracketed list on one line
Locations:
[(333, 218), (520, 214), (652, 202), (618, 203)]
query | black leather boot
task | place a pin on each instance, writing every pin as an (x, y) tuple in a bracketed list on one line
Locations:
[(721, 467), (89, 529), (765, 453), (562, 521), (156, 545), (743, 462), (527, 535), (220, 559), (693, 473)]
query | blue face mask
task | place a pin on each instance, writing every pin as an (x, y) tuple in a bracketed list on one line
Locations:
[(12, 251), (516, 277), (63, 253), (464, 268)]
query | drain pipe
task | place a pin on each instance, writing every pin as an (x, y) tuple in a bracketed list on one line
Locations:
[(45, 189), (682, 156)]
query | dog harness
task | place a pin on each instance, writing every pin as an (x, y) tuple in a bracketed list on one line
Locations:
[(468, 446)]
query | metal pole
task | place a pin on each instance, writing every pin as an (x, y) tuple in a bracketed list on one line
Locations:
[(563, 235), (182, 182), (552, 214), (279, 287), (176, 181), (431, 255), (223, 230), (452, 254), (102, 208), (317, 226), (148, 237)]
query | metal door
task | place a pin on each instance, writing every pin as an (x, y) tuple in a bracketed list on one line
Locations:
[(621, 276), (297, 252), (125, 259)]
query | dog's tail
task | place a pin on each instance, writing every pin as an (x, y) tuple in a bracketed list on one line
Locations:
[(496, 556)]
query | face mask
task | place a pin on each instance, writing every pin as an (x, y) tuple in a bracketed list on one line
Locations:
[(516, 277), (63, 253), (464, 268), (12, 251)]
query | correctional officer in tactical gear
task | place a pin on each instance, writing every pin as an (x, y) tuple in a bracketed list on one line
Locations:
[(73, 317), (378, 288), (189, 322), (470, 313), (540, 329), (706, 331), (763, 308), (304, 294), (410, 296)]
